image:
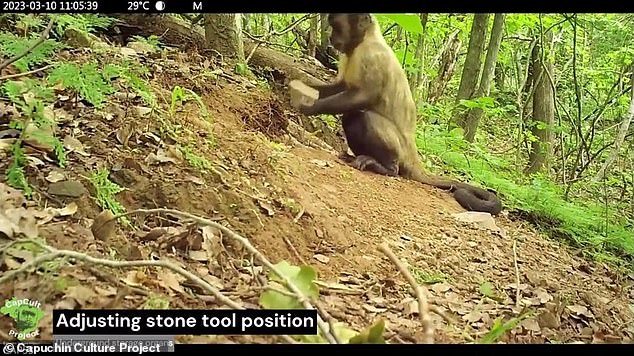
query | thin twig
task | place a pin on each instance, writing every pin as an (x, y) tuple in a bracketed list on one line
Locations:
[(517, 274), (17, 75), (434, 309), (329, 319), (294, 250), (54, 253), (245, 242), (43, 37), (423, 306)]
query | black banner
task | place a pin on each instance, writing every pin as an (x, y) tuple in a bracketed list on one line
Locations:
[(283, 6), (184, 322)]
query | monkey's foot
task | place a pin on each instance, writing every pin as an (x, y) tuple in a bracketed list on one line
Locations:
[(367, 163), (345, 157)]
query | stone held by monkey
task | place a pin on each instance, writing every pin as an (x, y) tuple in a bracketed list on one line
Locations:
[(378, 112)]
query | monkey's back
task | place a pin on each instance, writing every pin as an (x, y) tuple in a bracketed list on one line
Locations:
[(375, 67)]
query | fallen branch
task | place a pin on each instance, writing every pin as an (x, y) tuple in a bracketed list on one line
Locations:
[(53, 253), (43, 37), (17, 75), (517, 274), (245, 242), (423, 306)]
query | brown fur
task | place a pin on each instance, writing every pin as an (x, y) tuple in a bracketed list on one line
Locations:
[(378, 111)]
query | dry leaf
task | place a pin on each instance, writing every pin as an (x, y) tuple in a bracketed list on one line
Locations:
[(530, 325), (161, 156), (169, 280), (81, 294), (134, 278), (142, 110), (320, 163), (472, 317), (411, 307), (440, 288), (128, 52), (580, 310), (267, 207), (74, 145), (321, 258), (195, 180), (55, 176), (543, 296), (549, 320), (106, 292), (103, 226), (68, 210), (200, 256), (154, 234), (372, 309), (66, 303)]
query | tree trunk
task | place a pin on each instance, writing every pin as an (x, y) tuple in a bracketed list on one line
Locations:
[(543, 112), (223, 32), (448, 60), (620, 138), (417, 77), (471, 69), (500, 76), (474, 115), (325, 39), (312, 36), (246, 22)]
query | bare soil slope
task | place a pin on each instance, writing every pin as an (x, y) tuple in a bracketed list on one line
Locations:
[(296, 203)]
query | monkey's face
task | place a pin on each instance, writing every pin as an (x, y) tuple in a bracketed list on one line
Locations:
[(347, 30)]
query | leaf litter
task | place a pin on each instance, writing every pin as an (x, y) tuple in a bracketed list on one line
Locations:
[(359, 286)]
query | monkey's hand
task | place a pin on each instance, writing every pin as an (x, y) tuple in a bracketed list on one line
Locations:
[(302, 95), (308, 110)]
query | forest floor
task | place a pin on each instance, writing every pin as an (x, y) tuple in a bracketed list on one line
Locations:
[(295, 203)]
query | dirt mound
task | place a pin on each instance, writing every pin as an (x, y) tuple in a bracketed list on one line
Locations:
[(299, 204)]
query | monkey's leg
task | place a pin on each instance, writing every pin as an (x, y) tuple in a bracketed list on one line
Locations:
[(345, 157), (367, 163), (374, 140)]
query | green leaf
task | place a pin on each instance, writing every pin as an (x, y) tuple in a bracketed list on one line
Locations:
[(486, 289), (343, 333), (302, 277), (499, 329), (371, 335), (409, 22)]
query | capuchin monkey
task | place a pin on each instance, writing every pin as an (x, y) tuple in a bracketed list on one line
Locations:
[(378, 112)]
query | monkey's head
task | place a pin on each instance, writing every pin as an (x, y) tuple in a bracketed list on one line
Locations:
[(348, 30)]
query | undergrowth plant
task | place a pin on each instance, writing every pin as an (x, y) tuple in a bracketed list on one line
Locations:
[(279, 296), (35, 121), (106, 192)]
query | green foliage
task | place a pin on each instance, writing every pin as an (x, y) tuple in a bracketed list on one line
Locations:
[(35, 122), (85, 23), (131, 75), (181, 95), (580, 222), (196, 161), (499, 328), (86, 80), (303, 277), (152, 40), (409, 22), (106, 192), (12, 45), (278, 296)]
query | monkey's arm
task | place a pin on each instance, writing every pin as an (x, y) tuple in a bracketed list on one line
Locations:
[(345, 101), (329, 89)]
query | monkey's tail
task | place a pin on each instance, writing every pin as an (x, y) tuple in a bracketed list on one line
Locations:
[(469, 197)]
